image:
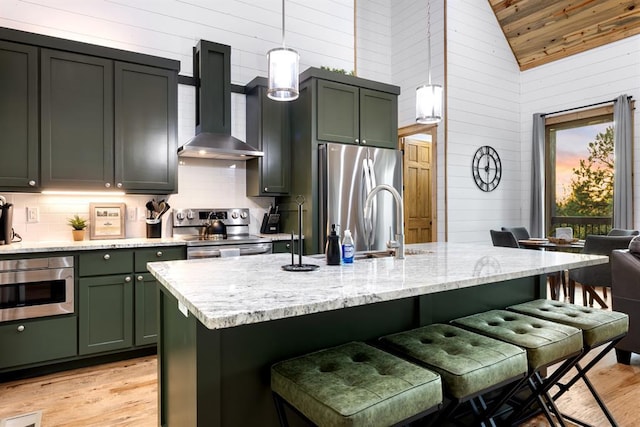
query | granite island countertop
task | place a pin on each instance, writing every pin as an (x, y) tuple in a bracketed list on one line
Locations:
[(227, 292)]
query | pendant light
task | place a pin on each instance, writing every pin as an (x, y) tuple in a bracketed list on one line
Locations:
[(429, 96), (283, 71)]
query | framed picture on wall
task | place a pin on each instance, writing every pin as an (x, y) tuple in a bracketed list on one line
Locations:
[(106, 220)]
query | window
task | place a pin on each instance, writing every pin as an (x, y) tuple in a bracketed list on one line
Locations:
[(579, 171)]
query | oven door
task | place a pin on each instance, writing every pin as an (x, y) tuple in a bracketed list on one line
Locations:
[(214, 251)]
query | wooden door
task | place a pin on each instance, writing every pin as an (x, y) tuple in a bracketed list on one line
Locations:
[(417, 191)]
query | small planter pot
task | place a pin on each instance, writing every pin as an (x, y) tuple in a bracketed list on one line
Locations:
[(78, 235)]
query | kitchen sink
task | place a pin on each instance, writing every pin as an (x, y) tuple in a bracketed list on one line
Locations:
[(372, 254)]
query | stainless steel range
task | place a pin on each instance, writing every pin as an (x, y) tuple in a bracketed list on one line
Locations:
[(191, 225)]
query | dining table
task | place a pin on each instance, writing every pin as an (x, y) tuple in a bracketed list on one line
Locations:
[(557, 280)]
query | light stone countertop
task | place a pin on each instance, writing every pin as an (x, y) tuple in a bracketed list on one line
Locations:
[(228, 292), (26, 247)]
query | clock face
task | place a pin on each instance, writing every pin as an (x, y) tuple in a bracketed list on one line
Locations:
[(486, 168)]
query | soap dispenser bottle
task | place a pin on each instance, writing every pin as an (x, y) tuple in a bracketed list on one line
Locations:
[(348, 248), (333, 247)]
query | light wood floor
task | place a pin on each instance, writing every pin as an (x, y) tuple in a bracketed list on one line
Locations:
[(125, 394)]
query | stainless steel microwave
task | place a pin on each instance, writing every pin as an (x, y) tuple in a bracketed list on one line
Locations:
[(36, 287)]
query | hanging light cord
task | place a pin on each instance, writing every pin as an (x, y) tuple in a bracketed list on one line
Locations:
[(428, 42), (282, 23)]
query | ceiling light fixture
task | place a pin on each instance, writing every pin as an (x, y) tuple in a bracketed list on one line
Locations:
[(429, 96), (283, 71)]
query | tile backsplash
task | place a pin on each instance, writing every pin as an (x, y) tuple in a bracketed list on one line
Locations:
[(202, 183)]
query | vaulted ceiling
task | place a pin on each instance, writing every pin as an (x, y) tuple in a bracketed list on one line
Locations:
[(542, 31)]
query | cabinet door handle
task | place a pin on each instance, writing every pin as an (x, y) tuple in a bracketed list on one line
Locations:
[(32, 183), (127, 279), (20, 328), (266, 189), (364, 141), (107, 257), (140, 278), (288, 245), (357, 141), (107, 184), (159, 254), (119, 185)]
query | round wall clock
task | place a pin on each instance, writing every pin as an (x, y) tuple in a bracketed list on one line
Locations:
[(486, 168)]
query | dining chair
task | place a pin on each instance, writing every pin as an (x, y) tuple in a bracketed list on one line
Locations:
[(623, 232), (521, 233), (596, 275), (504, 238)]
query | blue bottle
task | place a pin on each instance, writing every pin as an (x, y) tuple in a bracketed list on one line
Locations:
[(348, 249)]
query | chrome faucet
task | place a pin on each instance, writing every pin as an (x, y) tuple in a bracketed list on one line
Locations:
[(398, 244)]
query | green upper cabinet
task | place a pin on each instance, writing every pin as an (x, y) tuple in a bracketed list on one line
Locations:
[(145, 128), (350, 114), (378, 118), (19, 155), (338, 117), (100, 118), (76, 121), (268, 131)]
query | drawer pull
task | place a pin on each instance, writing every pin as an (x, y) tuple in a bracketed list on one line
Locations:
[(127, 279), (20, 328), (140, 278), (159, 254), (32, 183), (107, 257)]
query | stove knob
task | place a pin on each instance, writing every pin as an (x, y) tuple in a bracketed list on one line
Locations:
[(234, 215), (244, 215), (179, 216), (190, 215)]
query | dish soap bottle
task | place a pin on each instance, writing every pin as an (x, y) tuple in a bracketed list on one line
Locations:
[(348, 249), (333, 247)]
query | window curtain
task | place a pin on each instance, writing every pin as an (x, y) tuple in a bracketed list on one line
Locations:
[(622, 180), (537, 177)]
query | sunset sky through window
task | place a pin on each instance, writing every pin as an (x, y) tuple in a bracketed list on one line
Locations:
[(571, 146)]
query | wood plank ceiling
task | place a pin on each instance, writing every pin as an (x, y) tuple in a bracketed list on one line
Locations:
[(542, 31)]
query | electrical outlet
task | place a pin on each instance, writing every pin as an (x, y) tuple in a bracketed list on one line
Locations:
[(132, 213), (33, 215)]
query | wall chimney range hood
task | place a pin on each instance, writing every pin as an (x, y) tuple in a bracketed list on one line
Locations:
[(213, 140)]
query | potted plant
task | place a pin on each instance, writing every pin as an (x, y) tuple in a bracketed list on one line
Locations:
[(78, 224)]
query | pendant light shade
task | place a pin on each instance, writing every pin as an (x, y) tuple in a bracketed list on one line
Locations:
[(283, 74), (429, 96), (283, 71), (428, 104)]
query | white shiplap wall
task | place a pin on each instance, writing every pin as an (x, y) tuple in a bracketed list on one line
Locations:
[(598, 75), (373, 40), (483, 97), (322, 31)]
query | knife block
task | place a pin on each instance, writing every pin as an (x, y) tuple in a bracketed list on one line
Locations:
[(270, 224)]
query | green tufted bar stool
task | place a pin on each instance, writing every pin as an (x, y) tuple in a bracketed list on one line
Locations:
[(545, 342), (470, 365), (355, 384), (598, 327)]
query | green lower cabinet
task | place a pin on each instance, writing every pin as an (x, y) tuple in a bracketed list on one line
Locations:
[(146, 312), (106, 307), (284, 246), (33, 341)]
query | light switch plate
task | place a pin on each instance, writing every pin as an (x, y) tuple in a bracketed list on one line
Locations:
[(33, 215), (132, 213)]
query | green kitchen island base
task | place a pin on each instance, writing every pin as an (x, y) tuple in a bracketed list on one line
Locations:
[(220, 377)]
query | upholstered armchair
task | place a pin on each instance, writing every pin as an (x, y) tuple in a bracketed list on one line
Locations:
[(625, 295)]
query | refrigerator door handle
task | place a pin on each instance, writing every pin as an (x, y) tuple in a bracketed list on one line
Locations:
[(369, 217)]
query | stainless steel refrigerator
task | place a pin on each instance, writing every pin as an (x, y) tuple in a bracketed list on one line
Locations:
[(347, 173)]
